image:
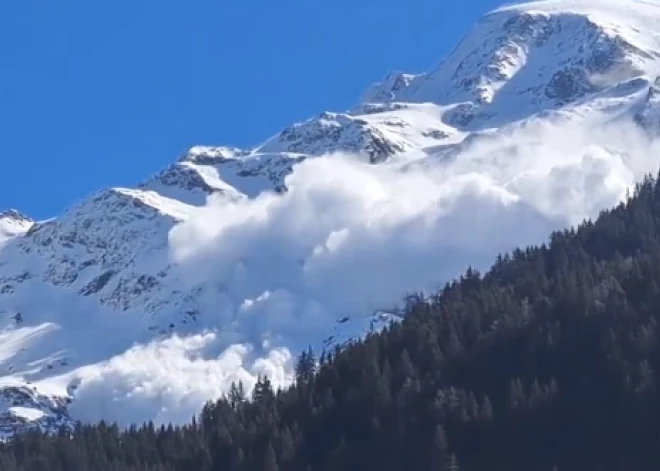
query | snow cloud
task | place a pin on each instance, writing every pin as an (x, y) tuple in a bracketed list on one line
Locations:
[(170, 381), (349, 238), (277, 271)]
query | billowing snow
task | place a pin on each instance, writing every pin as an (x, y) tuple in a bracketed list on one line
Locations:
[(141, 304)]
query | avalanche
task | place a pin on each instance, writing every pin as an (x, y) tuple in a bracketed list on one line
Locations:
[(141, 304)]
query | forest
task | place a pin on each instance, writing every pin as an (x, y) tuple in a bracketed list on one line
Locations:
[(546, 362)]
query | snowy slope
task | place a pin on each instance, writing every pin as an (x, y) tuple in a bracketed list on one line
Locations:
[(523, 59), (142, 303), (12, 224)]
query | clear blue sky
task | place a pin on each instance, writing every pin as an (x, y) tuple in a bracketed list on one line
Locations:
[(104, 93)]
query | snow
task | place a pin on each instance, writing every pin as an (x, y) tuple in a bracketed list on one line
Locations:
[(520, 60), (142, 303), (22, 407), (640, 10), (12, 224), (26, 413)]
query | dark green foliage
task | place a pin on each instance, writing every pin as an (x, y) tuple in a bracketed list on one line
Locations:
[(546, 362)]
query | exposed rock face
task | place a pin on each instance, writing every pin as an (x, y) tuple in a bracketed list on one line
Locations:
[(22, 408)]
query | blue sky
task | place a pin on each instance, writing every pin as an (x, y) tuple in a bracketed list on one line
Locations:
[(96, 94)]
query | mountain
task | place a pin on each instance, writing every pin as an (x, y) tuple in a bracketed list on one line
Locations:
[(12, 224), (142, 303), (545, 361)]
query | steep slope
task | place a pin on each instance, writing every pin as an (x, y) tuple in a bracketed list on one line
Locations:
[(140, 304)]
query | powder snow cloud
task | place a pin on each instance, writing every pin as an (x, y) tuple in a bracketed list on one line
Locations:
[(348, 239)]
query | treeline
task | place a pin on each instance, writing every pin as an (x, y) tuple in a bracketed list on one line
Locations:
[(546, 362)]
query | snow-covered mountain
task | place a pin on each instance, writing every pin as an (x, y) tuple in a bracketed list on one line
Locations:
[(141, 303)]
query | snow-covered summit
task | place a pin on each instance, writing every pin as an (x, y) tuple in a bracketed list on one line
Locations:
[(642, 11), (141, 303), (521, 59), (13, 223)]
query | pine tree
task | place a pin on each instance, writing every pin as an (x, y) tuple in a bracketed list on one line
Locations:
[(438, 448), (452, 463), (306, 366), (287, 446), (270, 459), (486, 409), (237, 394)]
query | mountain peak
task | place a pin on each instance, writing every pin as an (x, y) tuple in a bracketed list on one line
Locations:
[(620, 7), (536, 56), (13, 223), (207, 155), (14, 215), (387, 89)]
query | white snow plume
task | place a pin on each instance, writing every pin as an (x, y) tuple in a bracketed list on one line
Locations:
[(273, 274), (350, 238), (169, 381)]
